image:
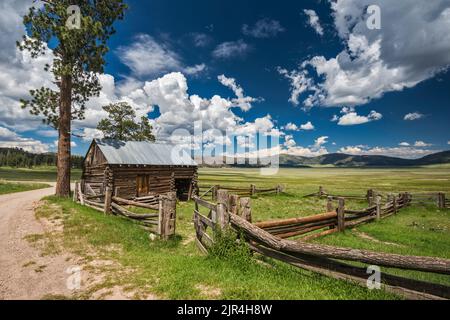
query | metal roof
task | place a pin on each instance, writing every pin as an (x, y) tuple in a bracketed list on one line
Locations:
[(144, 153)]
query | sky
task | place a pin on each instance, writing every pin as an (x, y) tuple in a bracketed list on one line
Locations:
[(322, 76)]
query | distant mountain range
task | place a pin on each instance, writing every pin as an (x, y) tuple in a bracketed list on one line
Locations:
[(346, 160)]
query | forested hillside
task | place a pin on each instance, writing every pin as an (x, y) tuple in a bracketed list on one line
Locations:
[(19, 158)]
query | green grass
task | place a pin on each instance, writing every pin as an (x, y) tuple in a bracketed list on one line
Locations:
[(8, 187), (46, 174), (176, 269)]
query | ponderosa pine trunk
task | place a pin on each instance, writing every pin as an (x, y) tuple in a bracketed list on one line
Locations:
[(64, 153)]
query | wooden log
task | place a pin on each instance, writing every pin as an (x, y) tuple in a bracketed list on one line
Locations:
[(341, 215), (222, 210), (233, 204), (410, 288), (319, 235), (441, 200), (108, 200), (304, 220), (305, 231), (75, 193), (252, 190), (122, 211), (378, 208), (359, 221), (297, 227), (394, 202), (134, 203), (330, 204), (80, 196), (246, 209), (426, 264), (167, 216), (321, 191)]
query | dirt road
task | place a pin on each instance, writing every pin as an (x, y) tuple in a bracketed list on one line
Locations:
[(24, 273)]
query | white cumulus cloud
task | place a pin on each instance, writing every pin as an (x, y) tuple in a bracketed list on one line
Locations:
[(413, 116), (313, 21), (376, 62)]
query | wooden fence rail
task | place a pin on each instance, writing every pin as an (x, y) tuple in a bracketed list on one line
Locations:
[(160, 221), (269, 239), (250, 191)]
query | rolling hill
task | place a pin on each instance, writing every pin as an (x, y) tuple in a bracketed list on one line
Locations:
[(346, 160)]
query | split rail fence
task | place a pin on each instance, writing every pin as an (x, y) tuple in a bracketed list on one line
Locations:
[(211, 191), (159, 220), (438, 198), (270, 239)]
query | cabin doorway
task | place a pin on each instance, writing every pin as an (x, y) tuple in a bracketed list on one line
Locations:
[(183, 187), (142, 186)]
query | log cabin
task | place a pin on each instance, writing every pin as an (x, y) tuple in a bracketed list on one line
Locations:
[(138, 169)]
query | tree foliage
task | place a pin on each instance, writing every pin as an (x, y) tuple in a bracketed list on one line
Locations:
[(19, 158), (77, 53), (121, 124)]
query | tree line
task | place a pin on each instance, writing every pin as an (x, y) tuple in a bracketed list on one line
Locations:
[(19, 158)]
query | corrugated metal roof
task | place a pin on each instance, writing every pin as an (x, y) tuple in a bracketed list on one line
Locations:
[(144, 153)]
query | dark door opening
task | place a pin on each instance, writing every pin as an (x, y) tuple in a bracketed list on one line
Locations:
[(183, 186)]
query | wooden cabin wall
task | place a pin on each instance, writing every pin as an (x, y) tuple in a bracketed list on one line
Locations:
[(94, 170), (160, 179)]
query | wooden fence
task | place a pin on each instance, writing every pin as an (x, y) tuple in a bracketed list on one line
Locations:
[(160, 220), (269, 239), (438, 198), (211, 191)]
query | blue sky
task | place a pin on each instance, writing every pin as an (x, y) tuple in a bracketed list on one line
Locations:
[(367, 80)]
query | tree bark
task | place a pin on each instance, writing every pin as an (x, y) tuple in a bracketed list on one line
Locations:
[(64, 152)]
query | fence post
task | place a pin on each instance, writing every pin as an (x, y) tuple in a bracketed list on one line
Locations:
[(330, 204), (75, 193), (167, 215), (246, 209), (441, 200), (370, 197), (214, 192), (108, 200), (253, 190), (233, 204), (394, 201), (279, 189), (341, 215), (321, 191), (222, 210), (378, 208)]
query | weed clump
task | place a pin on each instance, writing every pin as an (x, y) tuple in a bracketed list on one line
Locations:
[(229, 247)]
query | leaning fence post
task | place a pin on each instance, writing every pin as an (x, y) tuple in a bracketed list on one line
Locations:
[(246, 209), (222, 209), (330, 204), (341, 215), (108, 200), (378, 208)]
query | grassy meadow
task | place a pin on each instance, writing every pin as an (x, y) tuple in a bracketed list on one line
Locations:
[(177, 270), (12, 187)]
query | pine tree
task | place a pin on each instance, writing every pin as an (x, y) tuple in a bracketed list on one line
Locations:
[(121, 124), (79, 52)]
